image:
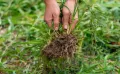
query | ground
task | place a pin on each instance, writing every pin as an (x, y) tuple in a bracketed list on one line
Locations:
[(24, 34)]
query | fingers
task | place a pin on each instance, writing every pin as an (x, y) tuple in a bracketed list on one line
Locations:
[(47, 19), (52, 16), (74, 22), (66, 16), (67, 20), (56, 21), (49, 22)]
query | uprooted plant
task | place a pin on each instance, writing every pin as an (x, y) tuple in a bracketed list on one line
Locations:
[(61, 48), (64, 44)]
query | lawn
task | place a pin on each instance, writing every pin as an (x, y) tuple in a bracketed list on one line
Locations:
[(24, 34)]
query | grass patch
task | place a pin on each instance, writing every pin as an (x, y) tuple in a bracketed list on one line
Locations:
[(23, 35)]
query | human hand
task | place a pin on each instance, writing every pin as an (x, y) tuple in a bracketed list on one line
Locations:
[(52, 13), (68, 11)]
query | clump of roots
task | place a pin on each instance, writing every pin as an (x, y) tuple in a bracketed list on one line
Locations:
[(62, 46)]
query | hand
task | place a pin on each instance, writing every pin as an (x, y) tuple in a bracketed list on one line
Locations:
[(52, 13), (68, 10)]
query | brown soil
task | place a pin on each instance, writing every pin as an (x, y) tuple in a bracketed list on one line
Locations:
[(1, 72), (63, 46)]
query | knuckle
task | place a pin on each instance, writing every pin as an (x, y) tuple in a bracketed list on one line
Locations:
[(56, 22), (66, 12), (56, 14)]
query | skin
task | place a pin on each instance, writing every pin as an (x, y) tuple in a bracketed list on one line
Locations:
[(52, 13)]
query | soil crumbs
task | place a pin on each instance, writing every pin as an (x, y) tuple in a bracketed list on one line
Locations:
[(62, 46)]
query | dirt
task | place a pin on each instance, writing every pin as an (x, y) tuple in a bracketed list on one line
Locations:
[(62, 46), (1, 72)]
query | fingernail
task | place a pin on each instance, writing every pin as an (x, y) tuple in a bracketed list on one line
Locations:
[(65, 27), (56, 28)]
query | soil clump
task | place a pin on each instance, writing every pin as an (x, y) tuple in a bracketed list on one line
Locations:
[(62, 46)]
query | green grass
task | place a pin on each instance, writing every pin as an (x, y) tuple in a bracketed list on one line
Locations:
[(23, 34)]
